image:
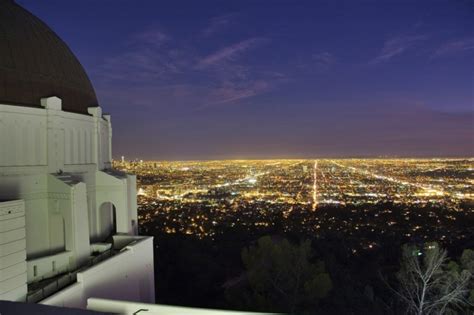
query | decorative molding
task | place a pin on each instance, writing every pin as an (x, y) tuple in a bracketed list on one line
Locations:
[(45, 195), (53, 102)]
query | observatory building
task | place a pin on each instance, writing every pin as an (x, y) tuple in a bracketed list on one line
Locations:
[(68, 222)]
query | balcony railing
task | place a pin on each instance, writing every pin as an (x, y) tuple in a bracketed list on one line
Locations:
[(40, 290)]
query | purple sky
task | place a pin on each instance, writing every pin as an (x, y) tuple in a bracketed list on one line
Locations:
[(232, 79)]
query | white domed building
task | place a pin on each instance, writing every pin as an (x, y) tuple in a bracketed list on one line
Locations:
[(68, 222)]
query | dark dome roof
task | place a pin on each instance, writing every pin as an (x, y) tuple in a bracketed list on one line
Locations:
[(36, 63)]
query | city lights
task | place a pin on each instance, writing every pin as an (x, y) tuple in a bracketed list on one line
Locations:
[(410, 198)]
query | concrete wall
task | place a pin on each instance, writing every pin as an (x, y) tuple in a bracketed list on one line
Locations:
[(50, 136), (22, 136), (12, 251), (80, 226), (35, 142), (132, 203), (57, 163), (33, 189), (125, 276), (48, 266), (120, 190)]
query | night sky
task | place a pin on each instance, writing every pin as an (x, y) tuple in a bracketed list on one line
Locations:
[(261, 79)]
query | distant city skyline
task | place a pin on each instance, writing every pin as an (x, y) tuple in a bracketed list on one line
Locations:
[(254, 79)]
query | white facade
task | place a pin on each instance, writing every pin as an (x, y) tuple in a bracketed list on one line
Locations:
[(126, 276), (12, 250), (55, 165)]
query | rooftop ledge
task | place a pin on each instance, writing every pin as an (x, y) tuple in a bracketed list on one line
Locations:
[(103, 307), (124, 307), (44, 289)]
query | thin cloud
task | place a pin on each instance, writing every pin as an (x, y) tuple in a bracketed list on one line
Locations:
[(454, 47), (217, 24), (152, 37), (396, 46), (322, 61), (140, 65), (229, 52), (149, 56), (324, 58), (232, 92), (155, 66)]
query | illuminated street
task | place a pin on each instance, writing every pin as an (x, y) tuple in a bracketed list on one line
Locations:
[(364, 198)]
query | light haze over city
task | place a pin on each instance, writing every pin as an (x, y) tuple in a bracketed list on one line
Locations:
[(220, 79)]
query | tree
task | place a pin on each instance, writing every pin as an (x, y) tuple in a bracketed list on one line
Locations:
[(467, 263), (282, 276), (428, 284)]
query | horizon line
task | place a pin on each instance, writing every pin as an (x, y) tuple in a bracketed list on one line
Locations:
[(306, 158)]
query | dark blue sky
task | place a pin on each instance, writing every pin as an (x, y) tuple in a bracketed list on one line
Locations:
[(227, 79)]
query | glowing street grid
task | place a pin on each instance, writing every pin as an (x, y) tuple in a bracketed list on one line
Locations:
[(365, 199), (309, 182)]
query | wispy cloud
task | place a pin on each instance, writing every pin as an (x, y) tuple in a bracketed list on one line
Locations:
[(149, 55), (396, 46), (153, 37), (317, 63), (323, 60), (217, 24), (454, 47), (231, 92), (230, 52), (155, 69)]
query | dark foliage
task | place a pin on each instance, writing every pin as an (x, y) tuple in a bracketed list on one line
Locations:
[(210, 272)]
